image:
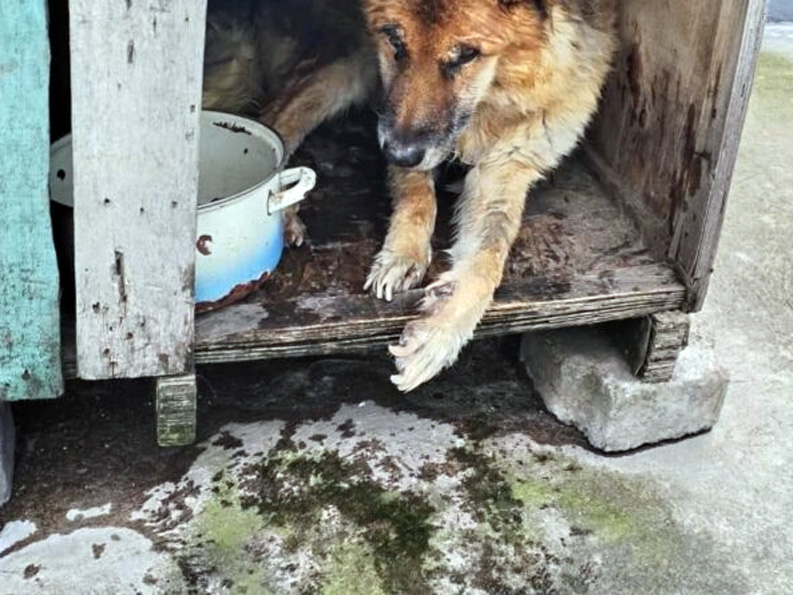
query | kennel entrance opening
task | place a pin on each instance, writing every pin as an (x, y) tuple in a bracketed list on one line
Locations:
[(627, 228), (579, 260)]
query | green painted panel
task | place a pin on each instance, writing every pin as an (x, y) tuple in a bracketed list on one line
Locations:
[(29, 318)]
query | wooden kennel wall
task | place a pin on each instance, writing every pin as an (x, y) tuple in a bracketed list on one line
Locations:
[(627, 229)]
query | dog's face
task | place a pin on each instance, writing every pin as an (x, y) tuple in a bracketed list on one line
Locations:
[(438, 60)]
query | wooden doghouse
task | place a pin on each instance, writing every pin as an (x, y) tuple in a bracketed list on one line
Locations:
[(626, 230)]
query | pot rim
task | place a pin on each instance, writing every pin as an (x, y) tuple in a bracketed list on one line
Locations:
[(256, 129)]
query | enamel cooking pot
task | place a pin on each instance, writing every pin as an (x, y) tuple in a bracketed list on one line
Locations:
[(243, 190)]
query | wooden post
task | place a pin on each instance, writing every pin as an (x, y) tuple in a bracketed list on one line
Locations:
[(667, 138), (652, 344), (697, 229), (176, 410), (136, 86), (29, 315)]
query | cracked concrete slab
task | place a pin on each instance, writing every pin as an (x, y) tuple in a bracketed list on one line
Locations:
[(780, 10), (373, 500), (15, 531), (101, 561), (342, 506)]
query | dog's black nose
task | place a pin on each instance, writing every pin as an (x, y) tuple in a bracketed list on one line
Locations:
[(403, 155)]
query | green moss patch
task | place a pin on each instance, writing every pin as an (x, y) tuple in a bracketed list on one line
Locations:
[(499, 520), (352, 571), (224, 529), (619, 518), (293, 490)]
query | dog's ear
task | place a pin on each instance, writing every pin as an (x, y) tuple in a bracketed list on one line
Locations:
[(541, 6)]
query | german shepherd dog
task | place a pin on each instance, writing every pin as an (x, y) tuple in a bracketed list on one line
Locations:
[(505, 86)]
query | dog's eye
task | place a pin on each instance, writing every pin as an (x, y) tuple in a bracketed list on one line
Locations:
[(394, 37), (464, 55), (468, 54)]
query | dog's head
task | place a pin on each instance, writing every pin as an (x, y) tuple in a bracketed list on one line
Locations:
[(439, 59)]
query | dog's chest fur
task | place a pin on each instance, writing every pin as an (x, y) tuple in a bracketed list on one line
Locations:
[(539, 92)]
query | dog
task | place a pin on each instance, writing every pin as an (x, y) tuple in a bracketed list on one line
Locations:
[(507, 87)]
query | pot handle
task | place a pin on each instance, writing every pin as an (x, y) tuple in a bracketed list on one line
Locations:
[(293, 185)]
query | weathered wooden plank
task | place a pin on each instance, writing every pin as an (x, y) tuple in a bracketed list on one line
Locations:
[(697, 229), (29, 318), (251, 332), (672, 114), (136, 80), (355, 324)]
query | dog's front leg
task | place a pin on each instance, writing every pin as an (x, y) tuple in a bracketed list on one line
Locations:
[(407, 250), (306, 102), (489, 219), (311, 96)]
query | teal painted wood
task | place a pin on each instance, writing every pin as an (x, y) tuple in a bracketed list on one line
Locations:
[(30, 353)]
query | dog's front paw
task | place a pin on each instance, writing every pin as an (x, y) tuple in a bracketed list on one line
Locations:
[(394, 272), (294, 229), (427, 346), (453, 306)]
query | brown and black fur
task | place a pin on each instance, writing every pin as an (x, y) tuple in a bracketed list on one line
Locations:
[(505, 86), (290, 63)]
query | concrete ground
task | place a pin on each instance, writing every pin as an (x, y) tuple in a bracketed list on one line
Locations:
[(318, 477), (780, 10)]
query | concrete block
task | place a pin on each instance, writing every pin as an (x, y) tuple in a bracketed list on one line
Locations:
[(7, 441), (585, 381)]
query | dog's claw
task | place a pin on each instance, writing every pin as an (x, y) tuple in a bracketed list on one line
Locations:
[(399, 351), (393, 273), (427, 347), (432, 343)]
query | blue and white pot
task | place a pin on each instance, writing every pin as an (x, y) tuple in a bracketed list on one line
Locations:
[(242, 193)]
